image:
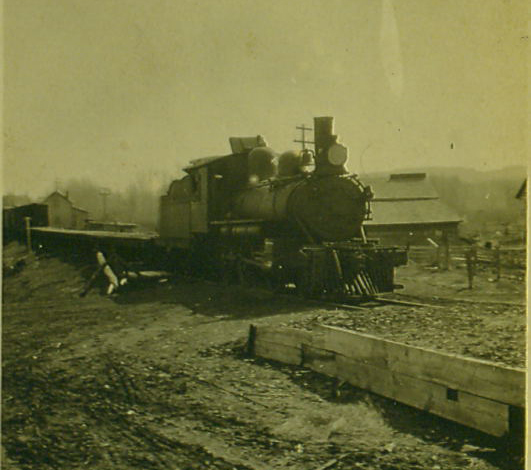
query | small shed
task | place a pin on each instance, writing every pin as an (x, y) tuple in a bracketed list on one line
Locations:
[(63, 213), (14, 219), (406, 209)]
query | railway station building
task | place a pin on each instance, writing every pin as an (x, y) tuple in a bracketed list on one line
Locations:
[(406, 210)]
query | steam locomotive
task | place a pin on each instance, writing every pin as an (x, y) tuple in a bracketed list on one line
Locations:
[(293, 221)]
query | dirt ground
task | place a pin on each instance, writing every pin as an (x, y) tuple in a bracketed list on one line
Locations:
[(432, 283), (156, 378), (487, 322)]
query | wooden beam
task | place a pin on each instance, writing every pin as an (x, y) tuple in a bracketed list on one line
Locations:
[(482, 378), (278, 352), (480, 413), (284, 335), (280, 344), (476, 393)]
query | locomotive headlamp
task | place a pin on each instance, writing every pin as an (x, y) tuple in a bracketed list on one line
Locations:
[(337, 154)]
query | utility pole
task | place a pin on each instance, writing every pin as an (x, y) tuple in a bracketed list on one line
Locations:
[(27, 224), (104, 193), (303, 141)]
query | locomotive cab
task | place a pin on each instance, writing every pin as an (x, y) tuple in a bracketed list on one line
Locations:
[(203, 195)]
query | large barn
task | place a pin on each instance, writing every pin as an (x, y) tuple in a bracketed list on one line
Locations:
[(406, 209)]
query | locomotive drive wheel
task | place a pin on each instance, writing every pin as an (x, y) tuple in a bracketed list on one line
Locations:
[(303, 286), (252, 277)]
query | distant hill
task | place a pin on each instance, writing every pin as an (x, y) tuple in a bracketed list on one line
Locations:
[(514, 172)]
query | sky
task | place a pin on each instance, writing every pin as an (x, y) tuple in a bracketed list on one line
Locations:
[(108, 89)]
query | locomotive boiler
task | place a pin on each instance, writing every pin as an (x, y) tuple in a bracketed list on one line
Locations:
[(294, 221)]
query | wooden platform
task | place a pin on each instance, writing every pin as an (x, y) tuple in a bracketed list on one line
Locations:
[(476, 393), (95, 234)]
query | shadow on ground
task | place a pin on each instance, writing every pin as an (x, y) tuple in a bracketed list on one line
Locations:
[(507, 452)]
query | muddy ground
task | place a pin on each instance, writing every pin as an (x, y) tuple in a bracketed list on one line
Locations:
[(157, 378)]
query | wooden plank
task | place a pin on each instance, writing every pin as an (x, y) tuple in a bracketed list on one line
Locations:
[(319, 360), (481, 378), (141, 236), (480, 413), (417, 377), (278, 352), (282, 343), (283, 335)]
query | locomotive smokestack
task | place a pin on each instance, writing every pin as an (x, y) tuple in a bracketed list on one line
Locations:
[(323, 132), (330, 157)]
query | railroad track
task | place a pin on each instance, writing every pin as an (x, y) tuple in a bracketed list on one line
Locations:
[(447, 300)]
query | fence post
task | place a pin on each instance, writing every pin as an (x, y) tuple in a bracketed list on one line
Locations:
[(471, 266), (27, 223), (447, 255), (437, 252), (497, 258)]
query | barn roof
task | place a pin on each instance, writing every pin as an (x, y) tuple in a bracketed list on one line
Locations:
[(401, 186), (407, 198)]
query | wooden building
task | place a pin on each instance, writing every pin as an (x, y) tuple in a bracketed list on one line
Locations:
[(406, 209), (62, 212), (14, 219)]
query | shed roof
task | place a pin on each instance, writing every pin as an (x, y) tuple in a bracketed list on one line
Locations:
[(59, 193), (401, 186), (66, 198), (420, 211), (25, 206), (14, 200)]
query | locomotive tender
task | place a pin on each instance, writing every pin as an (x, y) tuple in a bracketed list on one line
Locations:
[(292, 221)]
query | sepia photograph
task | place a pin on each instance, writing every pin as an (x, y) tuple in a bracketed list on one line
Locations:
[(264, 235)]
